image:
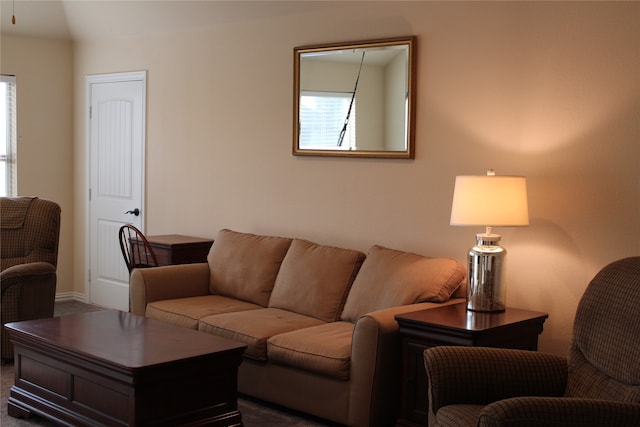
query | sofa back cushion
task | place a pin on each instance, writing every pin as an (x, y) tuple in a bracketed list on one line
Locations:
[(390, 278), (245, 266), (314, 280)]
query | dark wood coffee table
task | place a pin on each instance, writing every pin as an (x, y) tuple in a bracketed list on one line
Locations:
[(118, 369)]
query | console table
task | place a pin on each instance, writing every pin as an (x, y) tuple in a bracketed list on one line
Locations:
[(455, 325), (177, 249)]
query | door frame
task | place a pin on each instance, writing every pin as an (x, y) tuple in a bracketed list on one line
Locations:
[(96, 79)]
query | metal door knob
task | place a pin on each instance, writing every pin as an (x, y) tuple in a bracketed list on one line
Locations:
[(136, 212)]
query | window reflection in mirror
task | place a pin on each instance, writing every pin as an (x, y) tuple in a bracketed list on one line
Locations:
[(322, 118), (355, 99)]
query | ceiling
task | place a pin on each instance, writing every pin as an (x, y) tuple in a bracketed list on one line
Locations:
[(98, 19)]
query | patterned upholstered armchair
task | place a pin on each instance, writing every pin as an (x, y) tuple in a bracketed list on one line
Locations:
[(29, 234), (597, 385)]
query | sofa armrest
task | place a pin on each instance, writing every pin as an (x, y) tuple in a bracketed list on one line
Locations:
[(562, 411), (376, 365), (167, 282), (481, 375)]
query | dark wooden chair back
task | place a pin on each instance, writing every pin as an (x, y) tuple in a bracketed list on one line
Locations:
[(136, 250)]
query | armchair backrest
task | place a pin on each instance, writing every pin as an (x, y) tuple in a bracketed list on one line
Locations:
[(29, 231), (604, 360)]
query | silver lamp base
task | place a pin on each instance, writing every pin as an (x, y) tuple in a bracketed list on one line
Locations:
[(485, 290)]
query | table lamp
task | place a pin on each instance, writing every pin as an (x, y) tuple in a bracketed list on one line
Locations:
[(490, 201)]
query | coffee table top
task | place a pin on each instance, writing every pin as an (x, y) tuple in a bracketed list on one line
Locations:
[(120, 338)]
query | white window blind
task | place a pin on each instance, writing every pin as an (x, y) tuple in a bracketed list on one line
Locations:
[(322, 116), (8, 133)]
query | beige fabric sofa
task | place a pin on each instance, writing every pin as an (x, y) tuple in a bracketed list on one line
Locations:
[(318, 320)]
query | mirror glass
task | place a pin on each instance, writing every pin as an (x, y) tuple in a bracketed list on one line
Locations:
[(355, 99)]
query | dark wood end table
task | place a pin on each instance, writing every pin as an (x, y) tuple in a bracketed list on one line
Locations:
[(118, 369), (455, 325), (173, 249)]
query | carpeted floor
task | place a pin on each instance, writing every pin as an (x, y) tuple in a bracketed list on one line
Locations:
[(254, 413)]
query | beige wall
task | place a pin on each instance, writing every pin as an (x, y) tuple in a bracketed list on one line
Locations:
[(546, 90), (44, 77)]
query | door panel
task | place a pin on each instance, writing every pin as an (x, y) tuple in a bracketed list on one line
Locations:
[(116, 180)]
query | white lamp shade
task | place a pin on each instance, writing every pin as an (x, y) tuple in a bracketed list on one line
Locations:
[(493, 200)]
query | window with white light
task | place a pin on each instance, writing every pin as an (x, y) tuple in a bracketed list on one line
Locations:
[(8, 133)]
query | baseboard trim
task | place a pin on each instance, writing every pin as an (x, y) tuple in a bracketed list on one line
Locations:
[(71, 296)]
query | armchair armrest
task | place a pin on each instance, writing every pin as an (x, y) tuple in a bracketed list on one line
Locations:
[(168, 282), (481, 375), (28, 291), (15, 274), (563, 411)]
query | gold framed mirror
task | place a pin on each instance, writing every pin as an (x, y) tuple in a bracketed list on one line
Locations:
[(355, 99)]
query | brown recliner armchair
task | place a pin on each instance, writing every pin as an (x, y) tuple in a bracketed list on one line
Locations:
[(597, 385), (29, 234)]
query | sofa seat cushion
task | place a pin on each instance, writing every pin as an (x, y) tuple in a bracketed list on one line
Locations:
[(186, 312), (255, 327), (324, 349), (390, 278), (245, 266), (314, 280)]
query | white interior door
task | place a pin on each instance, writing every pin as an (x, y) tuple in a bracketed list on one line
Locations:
[(116, 135)]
